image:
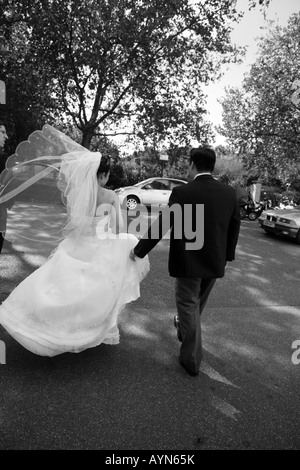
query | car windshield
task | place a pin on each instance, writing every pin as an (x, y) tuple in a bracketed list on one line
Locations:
[(143, 182)]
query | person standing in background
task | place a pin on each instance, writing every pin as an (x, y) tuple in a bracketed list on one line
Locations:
[(3, 158)]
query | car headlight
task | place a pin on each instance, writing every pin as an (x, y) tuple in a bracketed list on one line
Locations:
[(283, 220), (263, 216)]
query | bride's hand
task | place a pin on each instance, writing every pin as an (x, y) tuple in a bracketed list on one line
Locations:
[(132, 255)]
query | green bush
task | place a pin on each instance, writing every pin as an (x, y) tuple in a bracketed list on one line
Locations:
[(290, 196), (276, 196)]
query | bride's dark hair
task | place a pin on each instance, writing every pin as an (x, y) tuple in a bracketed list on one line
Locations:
[(104, 166)]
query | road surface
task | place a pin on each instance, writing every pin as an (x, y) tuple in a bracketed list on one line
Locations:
[(135, 396)]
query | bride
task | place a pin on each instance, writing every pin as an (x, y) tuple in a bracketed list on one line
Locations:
[(73, 301)]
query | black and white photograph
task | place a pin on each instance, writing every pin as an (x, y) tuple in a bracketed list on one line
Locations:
[(150, 228)]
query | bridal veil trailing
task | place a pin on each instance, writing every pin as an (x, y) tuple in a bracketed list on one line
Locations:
[(72, 302)]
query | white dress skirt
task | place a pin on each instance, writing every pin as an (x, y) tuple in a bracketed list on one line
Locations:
[(73, 301)]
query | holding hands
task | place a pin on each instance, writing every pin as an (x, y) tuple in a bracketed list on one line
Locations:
[(132, 255)]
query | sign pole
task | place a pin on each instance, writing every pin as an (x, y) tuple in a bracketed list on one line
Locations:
[(164, 157)]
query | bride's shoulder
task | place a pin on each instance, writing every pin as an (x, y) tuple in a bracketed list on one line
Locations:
[(106, 196)]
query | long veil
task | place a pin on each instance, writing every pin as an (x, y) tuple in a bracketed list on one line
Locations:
[(48, 191)]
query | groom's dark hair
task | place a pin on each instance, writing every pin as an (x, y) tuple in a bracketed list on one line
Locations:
[(204, 158)]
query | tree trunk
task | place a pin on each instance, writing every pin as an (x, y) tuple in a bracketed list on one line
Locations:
[(87, 135)]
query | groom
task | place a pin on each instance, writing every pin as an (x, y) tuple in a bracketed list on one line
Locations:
[(196, 266)]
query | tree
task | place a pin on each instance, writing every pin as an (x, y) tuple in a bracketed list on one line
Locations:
[(117, 66), (261, 120)]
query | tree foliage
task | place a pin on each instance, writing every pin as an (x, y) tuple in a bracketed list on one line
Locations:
[(261, 119), (115, 66)]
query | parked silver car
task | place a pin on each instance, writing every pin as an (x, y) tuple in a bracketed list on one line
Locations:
[(282, 222), (152, 191)]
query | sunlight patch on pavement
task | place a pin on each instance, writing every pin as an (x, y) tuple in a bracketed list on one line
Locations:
[(286, 309), (259, 262), (214, 375), (138, 331), (225, 408), (248, 254), (35, 260), (263, 280), (257, 294)]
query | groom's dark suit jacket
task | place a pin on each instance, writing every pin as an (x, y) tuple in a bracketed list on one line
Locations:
[(221, 229)]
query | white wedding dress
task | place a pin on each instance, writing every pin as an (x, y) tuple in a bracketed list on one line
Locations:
[(73, 301)]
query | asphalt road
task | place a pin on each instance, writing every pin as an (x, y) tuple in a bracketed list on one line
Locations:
[(135, 396)]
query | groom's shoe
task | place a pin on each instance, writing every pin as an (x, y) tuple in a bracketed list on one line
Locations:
[(176, 324), (192, 373)]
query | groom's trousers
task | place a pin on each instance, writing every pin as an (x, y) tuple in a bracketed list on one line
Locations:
[(191, 296)]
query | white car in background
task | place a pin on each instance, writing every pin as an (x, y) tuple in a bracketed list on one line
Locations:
[(152, 191), (284, 222)]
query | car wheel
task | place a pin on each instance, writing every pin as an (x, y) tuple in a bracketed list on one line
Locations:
[(131, 202), (298, 237), (252, 216)]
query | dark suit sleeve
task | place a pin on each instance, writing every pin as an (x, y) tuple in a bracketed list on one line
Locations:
[(233, 233), (158, 229)]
